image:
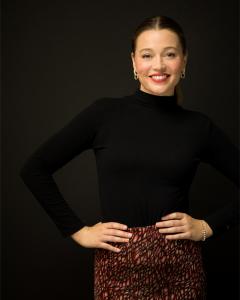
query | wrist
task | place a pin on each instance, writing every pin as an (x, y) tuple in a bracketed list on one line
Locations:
[(80, 230), (206, 230)]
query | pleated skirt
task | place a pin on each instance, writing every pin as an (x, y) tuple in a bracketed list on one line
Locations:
[(150, 267)]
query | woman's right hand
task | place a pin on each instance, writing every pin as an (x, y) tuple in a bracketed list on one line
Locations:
[(97, 235)]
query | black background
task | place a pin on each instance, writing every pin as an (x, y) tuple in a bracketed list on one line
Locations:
[(57, 57)]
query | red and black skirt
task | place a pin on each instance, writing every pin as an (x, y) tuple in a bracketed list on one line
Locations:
[(150, 267)]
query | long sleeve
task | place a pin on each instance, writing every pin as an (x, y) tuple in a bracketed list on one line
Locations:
[(220, 152), (36, 172), (144, 146)]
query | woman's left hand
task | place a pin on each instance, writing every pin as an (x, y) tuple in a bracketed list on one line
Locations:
[(183, 225)]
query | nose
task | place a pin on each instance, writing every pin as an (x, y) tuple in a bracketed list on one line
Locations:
[(158, 64)]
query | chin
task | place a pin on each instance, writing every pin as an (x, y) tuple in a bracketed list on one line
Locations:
[(158, 90)]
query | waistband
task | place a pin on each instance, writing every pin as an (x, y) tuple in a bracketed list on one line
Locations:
[(141, 228)]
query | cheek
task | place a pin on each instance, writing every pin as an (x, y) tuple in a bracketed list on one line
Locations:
[(176, 66), (143, 67)]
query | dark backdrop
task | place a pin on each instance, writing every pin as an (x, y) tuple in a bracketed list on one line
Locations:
[(58, 57)]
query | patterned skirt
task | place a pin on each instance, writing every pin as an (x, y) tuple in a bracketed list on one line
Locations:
[(150, 267)]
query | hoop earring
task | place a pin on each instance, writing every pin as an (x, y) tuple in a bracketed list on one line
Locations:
[(135, 75), (183, 74)]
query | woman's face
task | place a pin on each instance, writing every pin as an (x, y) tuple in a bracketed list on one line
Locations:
[(158, 52)]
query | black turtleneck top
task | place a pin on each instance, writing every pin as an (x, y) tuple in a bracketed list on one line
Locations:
[(147, 150)]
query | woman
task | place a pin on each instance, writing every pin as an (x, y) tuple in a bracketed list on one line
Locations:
[(147, 149)]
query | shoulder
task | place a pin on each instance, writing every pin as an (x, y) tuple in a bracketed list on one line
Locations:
[(197, 117), (99, 105), (106, 102), (100, 110), (199, 123), (108, 105), (195, 114), (109, 101), (207, 128)]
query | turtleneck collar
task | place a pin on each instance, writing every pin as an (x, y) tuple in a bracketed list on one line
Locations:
[(156, 100)]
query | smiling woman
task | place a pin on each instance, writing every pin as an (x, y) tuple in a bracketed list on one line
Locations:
[(159, 43), (147, 148), (160, 64)]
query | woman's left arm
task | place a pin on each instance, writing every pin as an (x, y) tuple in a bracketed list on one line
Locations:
[(221, 153)]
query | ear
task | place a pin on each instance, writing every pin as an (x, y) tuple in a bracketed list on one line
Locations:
[(133, 60), (185, 60)]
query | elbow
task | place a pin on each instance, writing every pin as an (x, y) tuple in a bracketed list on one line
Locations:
[(34, 167)]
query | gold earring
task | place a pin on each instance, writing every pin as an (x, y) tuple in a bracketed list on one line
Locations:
[(183, 74), (135, 75)]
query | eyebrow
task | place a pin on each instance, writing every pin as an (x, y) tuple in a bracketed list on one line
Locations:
[(170, 47)]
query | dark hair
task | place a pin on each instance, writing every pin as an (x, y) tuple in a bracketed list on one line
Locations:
[(162, 22)]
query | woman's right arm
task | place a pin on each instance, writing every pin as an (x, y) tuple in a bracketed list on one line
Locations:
[(38, 169)]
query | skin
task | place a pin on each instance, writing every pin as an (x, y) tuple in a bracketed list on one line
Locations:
[(98, 235), (160, 59), (165, 55), (182, 226)]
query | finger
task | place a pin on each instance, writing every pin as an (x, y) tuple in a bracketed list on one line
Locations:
[(117, 232), (115, 225), (177, 236), (172, 229), (175, 215), (169, 223), (109, 247), (111, 238)]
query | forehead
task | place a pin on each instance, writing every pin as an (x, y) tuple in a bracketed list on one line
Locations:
[(157, 39)]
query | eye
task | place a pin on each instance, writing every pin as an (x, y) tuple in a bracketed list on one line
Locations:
[(171, 54), (146, 55)]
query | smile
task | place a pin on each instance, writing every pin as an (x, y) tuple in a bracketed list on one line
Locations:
[(159, 78)]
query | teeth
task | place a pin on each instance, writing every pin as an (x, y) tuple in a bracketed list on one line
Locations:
[(159, 77)]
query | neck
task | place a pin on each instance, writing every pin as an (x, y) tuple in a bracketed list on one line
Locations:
[(156, 100)]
